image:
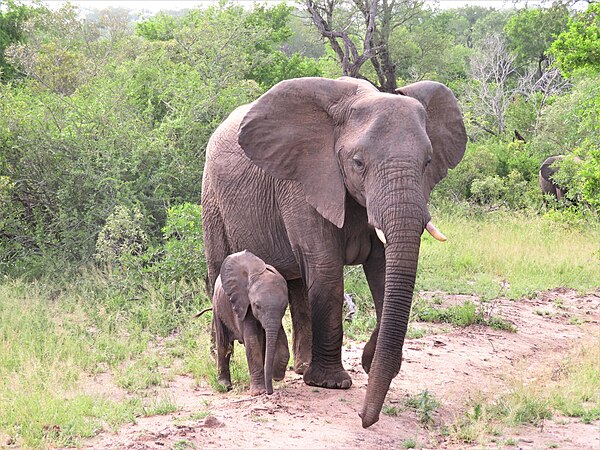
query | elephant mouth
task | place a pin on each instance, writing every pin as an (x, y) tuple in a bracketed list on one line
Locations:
[(430, 227)]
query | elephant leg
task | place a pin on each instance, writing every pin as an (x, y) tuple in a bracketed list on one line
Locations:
[(318, 250), (374, 269), (282, 356), (301, 325), (224, 344), (216, 248), (326, 301), (254, 342)]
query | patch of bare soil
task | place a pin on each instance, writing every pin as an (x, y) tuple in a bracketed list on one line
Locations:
[(453, 366)]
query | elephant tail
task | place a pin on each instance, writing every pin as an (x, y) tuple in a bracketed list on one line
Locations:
[(201, 313)]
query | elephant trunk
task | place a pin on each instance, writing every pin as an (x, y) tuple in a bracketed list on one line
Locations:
[(403, 226), (270, 346)]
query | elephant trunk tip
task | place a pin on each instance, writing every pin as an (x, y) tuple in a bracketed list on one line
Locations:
[(369, 416)]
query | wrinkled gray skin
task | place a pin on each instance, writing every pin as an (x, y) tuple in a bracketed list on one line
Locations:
[(249, 301), (547, 169), (302, 176)]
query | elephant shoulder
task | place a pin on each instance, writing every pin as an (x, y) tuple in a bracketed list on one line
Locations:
[(224, 139)]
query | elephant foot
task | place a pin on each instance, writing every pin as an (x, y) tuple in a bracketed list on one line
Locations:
[(225, 382), (257, 390), (327, 378), (279, 374), (300, 367)]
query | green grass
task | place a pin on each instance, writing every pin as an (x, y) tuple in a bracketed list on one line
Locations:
[(409, 443), (201, 363), (424, 404), (459, 315), (490, 255), (390, 410), (53, 335), (512, 254), (575, 392)]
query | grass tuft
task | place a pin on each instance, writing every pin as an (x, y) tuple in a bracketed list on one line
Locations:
[(572, 389), (425, 404)]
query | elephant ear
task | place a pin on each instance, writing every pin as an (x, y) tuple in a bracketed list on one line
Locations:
[(549, 168), (236, 271), (445, 128), (289, 132)]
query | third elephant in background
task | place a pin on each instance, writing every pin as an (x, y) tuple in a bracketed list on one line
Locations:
[(548, 169)]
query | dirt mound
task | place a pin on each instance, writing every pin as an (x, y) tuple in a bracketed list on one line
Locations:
[(452, 366)]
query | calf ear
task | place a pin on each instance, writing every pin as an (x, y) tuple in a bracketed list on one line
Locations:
[(236, 271), (445, 128), (290, 132)]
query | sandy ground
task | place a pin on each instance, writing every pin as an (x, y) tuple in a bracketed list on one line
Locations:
[(455, 364)]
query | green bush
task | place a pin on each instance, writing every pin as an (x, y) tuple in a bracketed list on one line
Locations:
[(488, 191), (494, 173), (182, 252), (122, 237), (479, 161), (106, 126)]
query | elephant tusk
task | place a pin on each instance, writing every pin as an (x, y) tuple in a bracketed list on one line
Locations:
[(381, 236), (432, 229)]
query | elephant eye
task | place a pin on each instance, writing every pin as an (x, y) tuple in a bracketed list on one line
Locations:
[(358, 162), (428, 161)]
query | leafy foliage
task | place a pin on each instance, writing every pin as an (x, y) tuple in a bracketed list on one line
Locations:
[(531, 32), (13, 17), (578, 46), (121, 237), (95, 124), (181, 255), (99, 114)]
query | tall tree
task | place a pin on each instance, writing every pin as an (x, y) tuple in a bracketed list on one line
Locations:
[(530, 32), (371, 22), (491, 68), (13, 17), (579, 45), (323, 14)]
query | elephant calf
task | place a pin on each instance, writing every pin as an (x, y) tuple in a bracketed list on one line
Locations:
[(249, 301)]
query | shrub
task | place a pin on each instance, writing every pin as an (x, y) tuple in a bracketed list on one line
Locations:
[(121, 237), (479, 161), (183, 248), (488, 191)]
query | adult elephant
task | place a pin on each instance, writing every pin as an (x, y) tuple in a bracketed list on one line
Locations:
[(548, 168), (308, 177)]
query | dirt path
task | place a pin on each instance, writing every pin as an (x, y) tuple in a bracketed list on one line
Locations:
[(454, 366)]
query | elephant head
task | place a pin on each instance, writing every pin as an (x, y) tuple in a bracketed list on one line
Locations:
[(550, 167), (344, 137), (253, 285)]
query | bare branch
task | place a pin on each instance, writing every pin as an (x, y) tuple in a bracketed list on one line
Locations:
[(340, 40)]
